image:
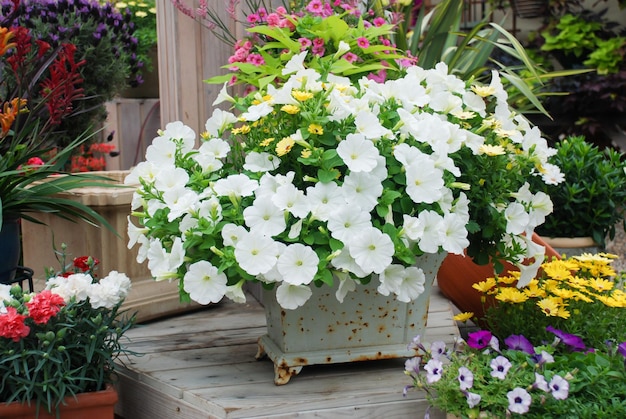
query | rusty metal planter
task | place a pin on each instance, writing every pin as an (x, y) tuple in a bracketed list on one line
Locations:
[(366, 326)]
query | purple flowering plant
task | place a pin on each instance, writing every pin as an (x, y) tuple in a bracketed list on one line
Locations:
[(479, 377), (104, 39)]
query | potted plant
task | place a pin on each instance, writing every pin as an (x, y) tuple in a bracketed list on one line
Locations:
[(104, 40), (562, 332), (58, 347), (323, 184), (590, 201), (143, 19), (41, 92)]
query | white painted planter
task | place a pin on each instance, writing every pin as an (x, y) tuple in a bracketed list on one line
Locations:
[(366, 326)]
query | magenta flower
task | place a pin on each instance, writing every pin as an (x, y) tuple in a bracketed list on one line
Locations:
[(519, 343), (350, 57), (574, 342), (363, 42), (479, 340)]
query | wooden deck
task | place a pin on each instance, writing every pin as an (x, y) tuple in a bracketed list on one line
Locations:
[(202, 365)]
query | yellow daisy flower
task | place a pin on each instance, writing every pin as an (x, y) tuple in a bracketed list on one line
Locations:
[(316, 129), (301, 95), (284, 146), (491, 150), (485, 286), (601, 285), (549, 306), (305, 154), (463, 317), (511, 295), (267, 142), (290, 109), (483, 91)]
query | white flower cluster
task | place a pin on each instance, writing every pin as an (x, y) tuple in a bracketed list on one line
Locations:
[(269, 241), (107, 292)]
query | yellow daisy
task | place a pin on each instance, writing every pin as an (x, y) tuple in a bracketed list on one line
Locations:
[(511, 295), (485, 286), (284, 146), (549, 306), (290, 109), (316, 129), (301, 95), (463, 317)]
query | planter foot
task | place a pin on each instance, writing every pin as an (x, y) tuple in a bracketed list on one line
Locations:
[(282, 375)]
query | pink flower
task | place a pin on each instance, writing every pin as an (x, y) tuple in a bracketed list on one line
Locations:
[(379, 21), (273, 19), (350, 57), (262, 13), (44, 305), (281, 10), (363, 42), (318, 42), (305, 43), (12, 325), (253, 18), (256, 59), (315, 7), (319, 51)]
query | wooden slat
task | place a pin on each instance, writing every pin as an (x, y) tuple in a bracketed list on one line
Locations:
[(202, 365)]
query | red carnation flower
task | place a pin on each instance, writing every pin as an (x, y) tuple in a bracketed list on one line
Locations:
[(44, 305), (12, 325), (85, 263)]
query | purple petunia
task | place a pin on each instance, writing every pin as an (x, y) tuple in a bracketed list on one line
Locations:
[(519, 343), (479, 340), (574, 342), (621, 348)]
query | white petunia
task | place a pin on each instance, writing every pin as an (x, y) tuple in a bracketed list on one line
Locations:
[(516, 218), (180, 201), (291, 296), (345, 222), (433, 234), (171, 178), (179, 131), (412, 284), (215, 147), (344, 262), (298, 264), (232, 233), (424, 182), (204, 283), (235, 185), (289, 198), (324, 199), (256, 253), (369, 126), (219, 121), (295, 64), (362, 189), (359, 154), (235, 292), (223, 96), (162, 152), (346, 285), (455, 234), (372, 250), (256, 112), (261, 162), (265, 218), (390, 279), (135, 232), (163, 264)]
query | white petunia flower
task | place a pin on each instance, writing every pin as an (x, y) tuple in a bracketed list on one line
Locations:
[(291, 296), (324, 199), (424, 182), (261, 162), (345, 223), (362, 189), (215, 147), (289, 198), (218, 122), (255, 253), (412, 284), (235, 185), (372, 250), (204, 283), (359, 154), (265, 218), (232, 233), (179, 131), (298, 264), (163, 264)]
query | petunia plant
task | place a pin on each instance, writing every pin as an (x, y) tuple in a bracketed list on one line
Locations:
[(478, 378), (322, 180)]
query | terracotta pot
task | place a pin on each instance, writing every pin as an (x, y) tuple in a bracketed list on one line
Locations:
[(94, 405), (573, 246), (458, 273)]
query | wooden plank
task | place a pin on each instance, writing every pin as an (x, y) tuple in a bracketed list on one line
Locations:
[(202, 364)]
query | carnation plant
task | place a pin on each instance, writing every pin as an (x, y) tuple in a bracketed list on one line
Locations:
[(479, 378), (581, 295), (322, 179), (63, 340)]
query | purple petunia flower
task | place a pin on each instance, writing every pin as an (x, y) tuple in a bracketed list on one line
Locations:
[(499, 367), (434, 369), (519, 343), (574, 342), (466, 378), (621, 348), (479, 340)]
